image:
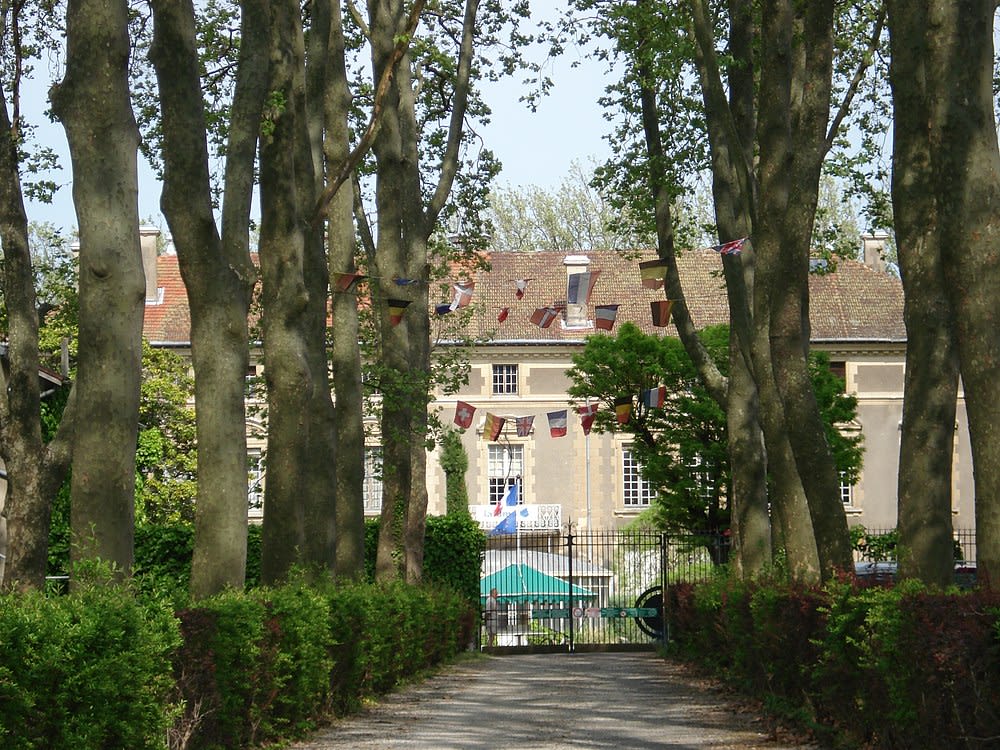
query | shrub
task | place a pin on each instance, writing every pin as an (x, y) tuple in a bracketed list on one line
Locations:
[(86, 670)]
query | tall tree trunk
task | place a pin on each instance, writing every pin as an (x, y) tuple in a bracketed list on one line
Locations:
[(92, 102), (345, 353), (217, 273), (299, 527), (33, 474), (966, 173), (924, 493)]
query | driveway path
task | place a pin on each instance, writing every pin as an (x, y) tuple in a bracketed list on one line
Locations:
[(553, 701)]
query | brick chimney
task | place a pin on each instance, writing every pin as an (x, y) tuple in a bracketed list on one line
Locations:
[(148, 240)]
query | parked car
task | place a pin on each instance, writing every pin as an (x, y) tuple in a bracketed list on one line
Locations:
[(886, 571)]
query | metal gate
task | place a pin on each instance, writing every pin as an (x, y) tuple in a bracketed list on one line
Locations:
[(598, 590)]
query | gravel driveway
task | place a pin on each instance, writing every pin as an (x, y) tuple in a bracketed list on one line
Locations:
[(554, 701)]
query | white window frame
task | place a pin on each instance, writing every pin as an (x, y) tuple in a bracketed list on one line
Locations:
[(371, 489), (505, 380), (505, 465), (255, 482), (846, 492), (637, 492)]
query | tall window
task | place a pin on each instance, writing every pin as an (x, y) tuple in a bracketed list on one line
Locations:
[(504, 379), (846, 490), (372, 488), (506, 466), (636, 491), (255, 483), (703, 476)]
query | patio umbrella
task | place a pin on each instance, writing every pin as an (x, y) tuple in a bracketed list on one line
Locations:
[(519, 582)]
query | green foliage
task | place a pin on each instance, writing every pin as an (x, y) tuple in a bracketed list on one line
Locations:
[(260, 666), (87, 670), (455, 463), (874, 667), (453, 553), (874, 547), (682, 448)]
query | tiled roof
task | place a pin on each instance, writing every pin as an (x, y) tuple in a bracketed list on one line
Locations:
[(168, 321), (854, 303)]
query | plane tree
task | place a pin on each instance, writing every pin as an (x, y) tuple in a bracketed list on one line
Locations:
[(754, 96)]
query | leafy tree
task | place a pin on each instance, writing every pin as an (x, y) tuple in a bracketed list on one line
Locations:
[(683, 447), (717, 86), (35, 467), (574, 217)]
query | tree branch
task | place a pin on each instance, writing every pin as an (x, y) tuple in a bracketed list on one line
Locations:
[(852, 89), (342, 172)]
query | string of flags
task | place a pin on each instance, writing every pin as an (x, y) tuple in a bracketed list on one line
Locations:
[(493, 424), (579, 289)]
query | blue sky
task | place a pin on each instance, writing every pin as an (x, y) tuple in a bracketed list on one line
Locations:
[(536, 148)]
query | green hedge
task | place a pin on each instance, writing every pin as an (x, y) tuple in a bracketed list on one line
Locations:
[(106, 668), (91, 670), (872, 667), (453, 549)]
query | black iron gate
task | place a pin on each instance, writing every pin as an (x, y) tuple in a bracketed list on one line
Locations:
[(596, 590)]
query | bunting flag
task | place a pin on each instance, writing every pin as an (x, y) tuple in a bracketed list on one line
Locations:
[(502, 315), (524, 425), (604, 317), (463, 295), (463, 414), (623, 409), (396, 309), (520, 285), (343, 282), (587, 414), (443, 309), (654, 398), (557, 423), (652, 273), (660, 309), (580, 286), (405, 282), (731, 248), (543, 317), (493, 426)]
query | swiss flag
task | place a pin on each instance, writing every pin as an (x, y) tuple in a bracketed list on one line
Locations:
[(463, 414)]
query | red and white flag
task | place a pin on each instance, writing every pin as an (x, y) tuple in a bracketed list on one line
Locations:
[(587, 414), (463, 295), (731, 248), (463, 414), (520, 286), (543, 316), (502, 315)]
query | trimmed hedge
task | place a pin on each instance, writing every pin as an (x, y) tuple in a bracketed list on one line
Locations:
[(106, 668), (91, 670), (881, 668)]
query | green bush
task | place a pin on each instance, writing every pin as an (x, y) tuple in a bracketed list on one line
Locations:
[(872, 667), (86, 670)]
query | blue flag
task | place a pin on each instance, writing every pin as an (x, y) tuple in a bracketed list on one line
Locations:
[(507, 526)]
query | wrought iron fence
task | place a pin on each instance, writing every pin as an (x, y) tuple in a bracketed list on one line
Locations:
[(594, 590)]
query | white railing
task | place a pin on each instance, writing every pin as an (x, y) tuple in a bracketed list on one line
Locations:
[(545, 517)]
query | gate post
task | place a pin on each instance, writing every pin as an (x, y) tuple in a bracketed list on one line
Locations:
[(569, 554), (664, 546)]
